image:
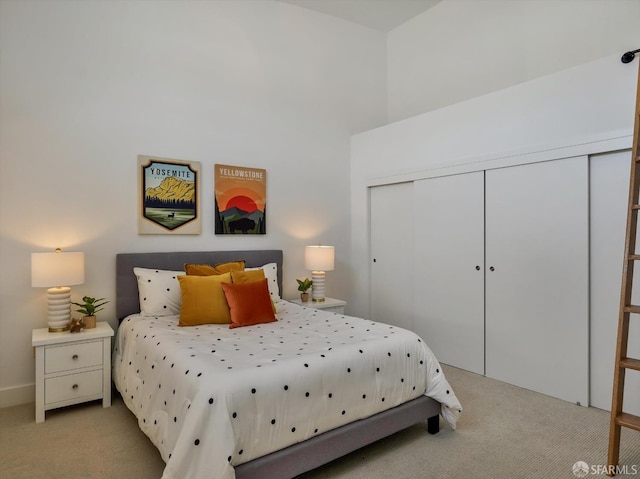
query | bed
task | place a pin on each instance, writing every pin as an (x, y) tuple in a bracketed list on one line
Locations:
[(268, 401)]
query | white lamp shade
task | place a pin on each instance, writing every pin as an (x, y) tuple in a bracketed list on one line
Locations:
[(319, 258), (56, 269)]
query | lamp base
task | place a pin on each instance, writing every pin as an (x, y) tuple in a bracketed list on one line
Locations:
[(317, 288), (59, 309), (58, 330)]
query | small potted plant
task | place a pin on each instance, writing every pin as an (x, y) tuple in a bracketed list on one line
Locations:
[(89, 307), (303, 287)]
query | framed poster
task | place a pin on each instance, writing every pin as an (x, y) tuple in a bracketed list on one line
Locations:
[(241, 197), (169, 196)]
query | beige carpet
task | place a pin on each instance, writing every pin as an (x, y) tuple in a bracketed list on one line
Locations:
[(504, 432)]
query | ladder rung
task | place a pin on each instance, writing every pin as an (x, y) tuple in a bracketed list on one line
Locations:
[(632, 309), (628, 420), (634, 257), (630, 363), (635, 207)]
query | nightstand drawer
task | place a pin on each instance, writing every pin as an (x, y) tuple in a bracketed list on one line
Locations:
[(72, 386), (72, 356)]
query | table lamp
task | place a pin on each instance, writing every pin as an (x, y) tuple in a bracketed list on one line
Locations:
[(57, 271), (318, 259)]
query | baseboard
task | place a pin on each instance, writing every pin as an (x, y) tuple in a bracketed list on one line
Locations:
[(17, 395)]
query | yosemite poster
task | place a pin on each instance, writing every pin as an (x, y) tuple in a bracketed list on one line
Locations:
[(169, 191), (240, 194)]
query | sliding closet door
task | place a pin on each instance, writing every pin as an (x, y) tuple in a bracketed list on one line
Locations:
[(391, 233), (537, 278), (609, 177), (449, 263)]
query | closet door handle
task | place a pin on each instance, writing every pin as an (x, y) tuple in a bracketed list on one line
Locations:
[(491, 268), (477, 268)]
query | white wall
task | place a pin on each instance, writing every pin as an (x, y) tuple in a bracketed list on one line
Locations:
[(460, 49), (87, 86)]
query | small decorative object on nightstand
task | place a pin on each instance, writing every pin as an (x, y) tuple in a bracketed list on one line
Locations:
[(76, 325), (72, 368), (329, 304), (303, 287), (89, 307)]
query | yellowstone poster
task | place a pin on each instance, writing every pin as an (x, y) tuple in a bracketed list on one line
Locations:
[(241, 195), (169, 191)]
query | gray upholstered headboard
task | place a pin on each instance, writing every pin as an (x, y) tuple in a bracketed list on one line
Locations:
[(127, 284)]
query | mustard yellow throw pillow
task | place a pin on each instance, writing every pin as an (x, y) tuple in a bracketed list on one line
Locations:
[(208, 270), (243, 277), (203, 300), (230, 266)]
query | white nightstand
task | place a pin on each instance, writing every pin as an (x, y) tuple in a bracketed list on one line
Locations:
[(329, 304), (72, 368)]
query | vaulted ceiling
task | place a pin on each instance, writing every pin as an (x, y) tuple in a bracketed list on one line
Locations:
[(382, 15)]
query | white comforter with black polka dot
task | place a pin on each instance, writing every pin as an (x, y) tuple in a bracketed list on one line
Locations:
[(210, 397)]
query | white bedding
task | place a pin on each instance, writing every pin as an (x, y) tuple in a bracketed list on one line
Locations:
[(210, 397)]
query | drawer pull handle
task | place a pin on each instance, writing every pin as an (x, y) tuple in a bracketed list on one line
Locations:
[(74, 357), (75, 386)]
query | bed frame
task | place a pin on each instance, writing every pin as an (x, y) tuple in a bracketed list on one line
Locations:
[(299, 458)]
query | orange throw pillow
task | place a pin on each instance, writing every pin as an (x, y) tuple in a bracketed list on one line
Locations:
[(243, 277), (249, 303)]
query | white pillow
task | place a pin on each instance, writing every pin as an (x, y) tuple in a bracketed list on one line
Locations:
[(271, 273), (159, 291)]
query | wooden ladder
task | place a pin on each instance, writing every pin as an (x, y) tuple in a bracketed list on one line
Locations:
[(620, 419)]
